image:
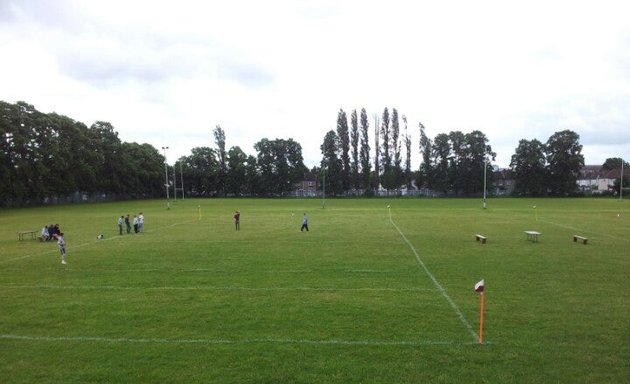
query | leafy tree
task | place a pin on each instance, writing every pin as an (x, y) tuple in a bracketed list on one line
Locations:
[(565, 160), (441, 159), (7, 115), (251, 176), (344, 148), (457, 167), (21, 154), (354, 147), (143, 170), (105, 144), (236, 171), (365, 151), (203, 170), (332, 165), (614, 163), (477, 154), (618, 185), (280, 165), (528, 166), (46, 156)]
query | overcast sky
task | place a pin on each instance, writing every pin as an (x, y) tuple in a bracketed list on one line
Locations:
[(168, 72)]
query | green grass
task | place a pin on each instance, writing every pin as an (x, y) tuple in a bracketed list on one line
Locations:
[(193, 300)]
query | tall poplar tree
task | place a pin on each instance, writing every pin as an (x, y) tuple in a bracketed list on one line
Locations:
[(376, 179), (386, 160), (219, 140), (407, 140), (344, 148), (365, 151), (396, 179), (425, 175), (331, 165), (354, 148)]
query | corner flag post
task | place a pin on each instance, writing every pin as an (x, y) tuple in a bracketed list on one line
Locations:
[(479, 287)]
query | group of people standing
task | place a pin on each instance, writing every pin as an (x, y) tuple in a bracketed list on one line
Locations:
[(138, 223), (49, 232), (53, 232)]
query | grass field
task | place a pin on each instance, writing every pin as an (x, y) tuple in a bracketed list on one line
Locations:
[(364, 297)]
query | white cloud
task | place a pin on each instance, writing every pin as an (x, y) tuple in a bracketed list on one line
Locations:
[(166, 73)]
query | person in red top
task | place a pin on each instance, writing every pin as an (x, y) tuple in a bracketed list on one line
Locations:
[(237, 220)]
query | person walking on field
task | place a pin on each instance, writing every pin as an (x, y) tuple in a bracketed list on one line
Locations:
[(127, 223), (237, 220), (135, 223), (140, 222), (121, 219), (304, 223), (62, 246)]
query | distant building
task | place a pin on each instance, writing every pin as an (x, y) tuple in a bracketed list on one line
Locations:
[(595, 180), (504, 182), (307, 187)]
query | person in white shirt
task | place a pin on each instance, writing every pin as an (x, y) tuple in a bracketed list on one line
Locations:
[(62, 246)]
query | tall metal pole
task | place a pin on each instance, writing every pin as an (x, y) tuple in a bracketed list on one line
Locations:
[(485, 169), (324, 178), (181, 175), (166, 175), (174, 182), (621, 182)]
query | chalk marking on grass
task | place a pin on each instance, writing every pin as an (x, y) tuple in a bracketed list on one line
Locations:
[(273, 271), (585, 230), (212, 288), (369, 343), (459, 313)]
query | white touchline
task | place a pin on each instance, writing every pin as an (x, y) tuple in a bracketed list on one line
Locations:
[(86, 244), (213, 288), (459, 313), (413, 343), (585, 230)]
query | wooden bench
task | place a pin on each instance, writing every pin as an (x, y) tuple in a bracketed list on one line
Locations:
[(532, 235), (581, 238), (23, 234), (481, 238)]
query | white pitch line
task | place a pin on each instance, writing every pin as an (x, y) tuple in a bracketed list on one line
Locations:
[(585, 230), (369, 343), (86, 244), (211, 288), (459, 313)]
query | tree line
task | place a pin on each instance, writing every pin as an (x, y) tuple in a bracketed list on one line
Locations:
[(452, 163), (47, 155)]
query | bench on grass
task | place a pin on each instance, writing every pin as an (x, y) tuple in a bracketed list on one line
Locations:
[(481, 238), (24, 234), (583, 239), (532, 235)]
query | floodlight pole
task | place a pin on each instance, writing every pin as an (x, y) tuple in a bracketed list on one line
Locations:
[(485, 169), (324, 178), (166, 175), (621, 183), (175, 182), (181, 175)]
